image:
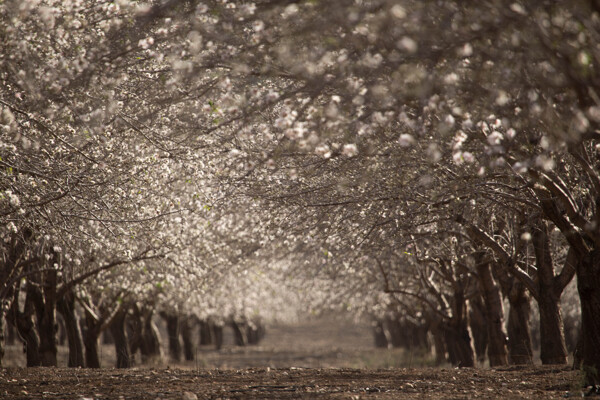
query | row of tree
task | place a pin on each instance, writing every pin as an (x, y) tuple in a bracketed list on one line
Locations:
[(357, 152)]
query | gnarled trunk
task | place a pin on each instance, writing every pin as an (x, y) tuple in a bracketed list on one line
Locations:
[(25, 324), (479, 326), (494, 312), (519, 334), (439, 343), (117, 329), (44, 301), (588, 285), (2, 330), (458, 343), (457, 335), (66, 307), (91, 335), (552, 339)]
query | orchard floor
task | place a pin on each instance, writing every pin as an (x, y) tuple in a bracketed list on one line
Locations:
[(312, 360)]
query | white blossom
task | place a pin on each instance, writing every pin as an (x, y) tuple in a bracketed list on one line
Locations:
[(350, 150)]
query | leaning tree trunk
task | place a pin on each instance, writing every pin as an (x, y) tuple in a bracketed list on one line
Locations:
[(519, 333), (66, 307), (588, 285), (117, 329), (497, 349)]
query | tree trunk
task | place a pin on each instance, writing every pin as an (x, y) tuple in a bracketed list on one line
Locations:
[(519, 334), (150, 338), (45, 304), (255, 331), (11, 335), (381, 340), (435, 327), (91, 336), (186, 335), (552, 339), (238, 334), (134, 329), (66, 307), (173, 332), (456, 332), (479, 327), (497, 349), (218, 335), (24, 322), (117, 329), (205, 332), (588, 285), (2, 332), (458, 343)]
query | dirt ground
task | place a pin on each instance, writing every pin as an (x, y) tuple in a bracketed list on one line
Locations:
[(317, 359)]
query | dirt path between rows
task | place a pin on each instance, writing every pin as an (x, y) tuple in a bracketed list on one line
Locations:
[(295, 383), (310, 360)]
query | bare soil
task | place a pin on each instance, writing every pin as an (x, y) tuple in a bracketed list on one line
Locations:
[(317, 359)]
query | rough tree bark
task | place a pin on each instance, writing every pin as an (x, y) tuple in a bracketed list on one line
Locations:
[(2, 330), (439, 344), (24, 322), (494, 312), (44, 299), (9, 279), (588, 284), (91, 335), (552, 345), (519, 333), (456, 333), (66, 307), (150, 337), (479, 326), (117, 329)]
